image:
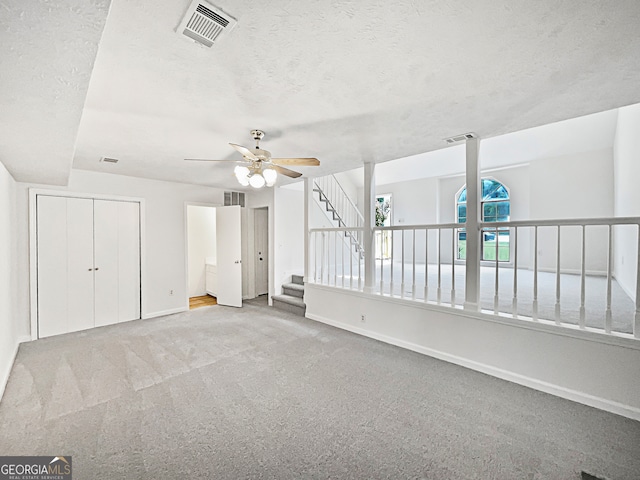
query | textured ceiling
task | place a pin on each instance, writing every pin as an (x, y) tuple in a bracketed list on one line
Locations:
[(344, 80), (47, 50)]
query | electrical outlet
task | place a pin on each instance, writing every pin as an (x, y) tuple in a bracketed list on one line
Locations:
[(363, 318)]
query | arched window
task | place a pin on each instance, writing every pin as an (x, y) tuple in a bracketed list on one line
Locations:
[(495, 206)]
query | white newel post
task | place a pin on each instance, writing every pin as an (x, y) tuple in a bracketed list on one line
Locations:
[(474, 191), (308, 192), (369, 223)]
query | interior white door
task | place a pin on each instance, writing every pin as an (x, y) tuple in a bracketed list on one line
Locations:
[(229, 255), (261, 245), (117, 261), (128, 261), (106, 262), (64, 264)]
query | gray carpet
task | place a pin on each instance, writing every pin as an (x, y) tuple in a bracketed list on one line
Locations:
[(223, 393)]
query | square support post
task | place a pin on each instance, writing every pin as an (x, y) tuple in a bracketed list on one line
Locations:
[(472, 226), (308, 201), (369, 223)]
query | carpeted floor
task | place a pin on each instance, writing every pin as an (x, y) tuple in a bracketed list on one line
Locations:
[(223, 393)]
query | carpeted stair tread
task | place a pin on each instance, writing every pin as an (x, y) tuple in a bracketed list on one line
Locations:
[(297, 279), (290, 299)]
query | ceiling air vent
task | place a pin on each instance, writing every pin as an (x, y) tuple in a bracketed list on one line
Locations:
[(205, 24), (109, 160), (460, 138)]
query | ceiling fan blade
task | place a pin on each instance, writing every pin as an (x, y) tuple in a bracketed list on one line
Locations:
[(309, 162), (286, 171), (244, 151)]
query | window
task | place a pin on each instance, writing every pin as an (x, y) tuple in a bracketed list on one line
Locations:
[(383, 219), (495, 206)]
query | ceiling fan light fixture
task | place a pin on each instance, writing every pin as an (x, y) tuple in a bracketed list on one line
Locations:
[(256, 180), (241, 172), (270, 176)]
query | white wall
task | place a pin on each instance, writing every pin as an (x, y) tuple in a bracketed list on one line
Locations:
[(581, 366), (9, 331), (165, 247), (627, 195), (201, 222), (573, 186)]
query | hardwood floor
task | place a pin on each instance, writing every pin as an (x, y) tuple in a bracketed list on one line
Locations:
[(204, 301)]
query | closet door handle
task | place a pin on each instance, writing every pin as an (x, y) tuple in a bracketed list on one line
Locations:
[(97, 269), (91, 269)]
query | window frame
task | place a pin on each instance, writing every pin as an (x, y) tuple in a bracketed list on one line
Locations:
[(482, 216)]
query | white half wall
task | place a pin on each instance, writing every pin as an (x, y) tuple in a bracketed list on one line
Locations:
[(9, 331), (627, 195), (201, 233), (164, 265), (581, 366)]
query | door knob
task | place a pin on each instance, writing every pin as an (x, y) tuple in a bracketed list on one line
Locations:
[(97, 269), (91, 269)]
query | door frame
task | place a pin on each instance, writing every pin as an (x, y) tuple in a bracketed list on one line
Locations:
[(33, 247)]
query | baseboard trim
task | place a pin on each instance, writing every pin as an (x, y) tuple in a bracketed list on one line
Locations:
[(562, 392), (162, 313)]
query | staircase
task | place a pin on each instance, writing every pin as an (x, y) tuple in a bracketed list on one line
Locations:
[(340, 210), (291, 299)]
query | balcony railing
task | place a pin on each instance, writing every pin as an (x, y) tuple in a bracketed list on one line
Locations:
[(575, 273)]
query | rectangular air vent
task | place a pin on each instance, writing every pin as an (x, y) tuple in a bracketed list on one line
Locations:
[(205, 24), (109, 160), (233, 198), (460, 138)]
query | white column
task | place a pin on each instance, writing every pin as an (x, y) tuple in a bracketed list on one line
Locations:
[(474, 191), (369, 223), (308, 201)]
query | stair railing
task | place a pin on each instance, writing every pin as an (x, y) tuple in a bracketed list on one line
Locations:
[(342, 210)]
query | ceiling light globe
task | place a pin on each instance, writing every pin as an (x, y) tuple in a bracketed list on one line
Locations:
[(270, 176), (241, 172), (244, 181), (257, 181)]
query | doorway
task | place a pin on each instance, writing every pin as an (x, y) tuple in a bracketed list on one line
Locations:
[(201, 255)]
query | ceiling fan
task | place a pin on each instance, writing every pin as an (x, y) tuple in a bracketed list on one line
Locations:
[(262, 169)]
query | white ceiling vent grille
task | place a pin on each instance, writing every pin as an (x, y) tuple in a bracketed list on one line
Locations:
[(205, 23), (460, 138)]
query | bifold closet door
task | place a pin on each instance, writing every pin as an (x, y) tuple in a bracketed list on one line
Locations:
[(64, 264), (117, 261)]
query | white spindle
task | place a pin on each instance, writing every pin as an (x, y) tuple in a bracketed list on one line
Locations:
[(495, 293), (534, 307), (322, 260), (402, 267), (351, 264), (583, 272), (608, 316), (636, 320), (342, 253), (557, 306), (391, 266), (453, 267), (426, 264), (380, 240), (514, 303), (335, 258), (439, 290), (413, 269)]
